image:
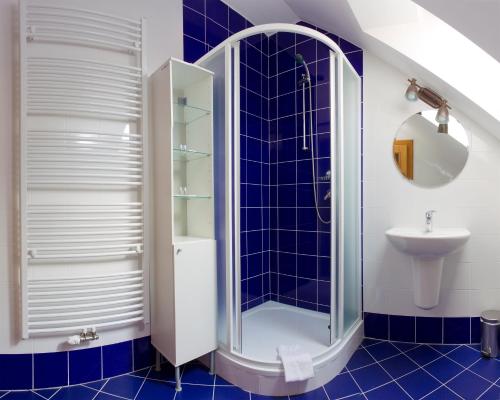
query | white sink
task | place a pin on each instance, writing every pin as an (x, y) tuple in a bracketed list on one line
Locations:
[(418, 242), (428, 250)]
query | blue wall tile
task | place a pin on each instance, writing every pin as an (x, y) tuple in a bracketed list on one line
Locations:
[(193, 49), (117, 359), (447, 330), (144, 353), (51, 369), (218, 12), (456, 330), (429, 330), (85, 365), (194, 24), (198, 5), (402, 328), (16, 371), (376, 326)]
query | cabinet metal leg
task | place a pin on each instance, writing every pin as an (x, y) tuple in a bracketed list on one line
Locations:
[(158, 361), (178, 386), (212, 363)]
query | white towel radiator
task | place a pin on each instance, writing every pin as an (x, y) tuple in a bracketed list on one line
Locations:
[(83, 185)]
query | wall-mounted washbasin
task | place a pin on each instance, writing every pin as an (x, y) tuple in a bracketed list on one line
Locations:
[(418, 242), (428, 250)]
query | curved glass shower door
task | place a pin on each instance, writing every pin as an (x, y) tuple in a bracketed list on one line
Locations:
[(288, 151)]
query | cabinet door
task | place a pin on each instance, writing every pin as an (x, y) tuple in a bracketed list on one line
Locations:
[(195, 299)]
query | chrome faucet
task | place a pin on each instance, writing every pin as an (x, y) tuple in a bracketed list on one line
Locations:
[(428, 220)]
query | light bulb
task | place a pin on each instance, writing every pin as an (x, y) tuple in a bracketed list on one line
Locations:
[(443, 115), (443, 128), (412, 91)]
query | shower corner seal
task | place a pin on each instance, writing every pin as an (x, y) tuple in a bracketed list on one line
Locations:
[(267, 378)]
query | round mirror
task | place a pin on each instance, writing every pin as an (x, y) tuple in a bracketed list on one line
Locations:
[(430, 154)]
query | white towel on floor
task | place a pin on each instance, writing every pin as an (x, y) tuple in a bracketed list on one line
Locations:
[(298, 364)]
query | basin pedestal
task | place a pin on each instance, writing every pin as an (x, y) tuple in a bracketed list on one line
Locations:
[(427, 273), (428, 250)]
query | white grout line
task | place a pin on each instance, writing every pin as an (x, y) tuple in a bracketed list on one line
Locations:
[(98, 391), (57, 391), (143, 382), (35, 393)]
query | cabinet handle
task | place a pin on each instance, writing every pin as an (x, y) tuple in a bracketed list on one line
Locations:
[(178, 251)]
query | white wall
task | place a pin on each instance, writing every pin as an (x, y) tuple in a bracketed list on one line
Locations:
[(471, 277), (163, 40)]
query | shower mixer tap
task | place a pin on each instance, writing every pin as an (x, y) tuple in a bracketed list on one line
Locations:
[(326, 177)]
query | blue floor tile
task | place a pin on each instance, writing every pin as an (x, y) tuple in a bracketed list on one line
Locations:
[(141, 373), (369, 342), (318, 394), (75, 393), (230, 393), (493, 393), (464, 356), (195, 392), (341, 386), (444, 348), (156, 390), (197, 373), (261, 397), (386, 392), (167, 373), (382, 351), (105, 396), (370, 377), (398, 366), (423, 355), (419, 383), (97, 385), (46, 393), (405, 346), (360, 358), (443, 369), (21, 396), (124, 386), (221, 381), (468, 385), (443, 393), (487, 368)]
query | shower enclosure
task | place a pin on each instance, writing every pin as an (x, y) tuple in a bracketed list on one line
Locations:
[(288, 181)]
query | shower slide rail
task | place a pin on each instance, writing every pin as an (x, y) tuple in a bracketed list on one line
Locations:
[(83, 185)]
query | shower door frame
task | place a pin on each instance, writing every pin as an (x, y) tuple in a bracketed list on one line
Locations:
[(230, 46)]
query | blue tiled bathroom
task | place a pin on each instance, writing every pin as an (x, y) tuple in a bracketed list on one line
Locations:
[(249, 200)]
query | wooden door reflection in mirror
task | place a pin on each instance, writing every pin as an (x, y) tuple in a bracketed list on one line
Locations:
[(403, 155)]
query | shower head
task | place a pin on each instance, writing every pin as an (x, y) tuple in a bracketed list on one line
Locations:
[(299, 59)]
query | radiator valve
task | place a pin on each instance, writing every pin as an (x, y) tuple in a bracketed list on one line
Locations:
[(86, 335)]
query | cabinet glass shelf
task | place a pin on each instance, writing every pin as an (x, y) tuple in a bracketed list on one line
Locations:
[(188, 155), (186, 114), (192, 196)]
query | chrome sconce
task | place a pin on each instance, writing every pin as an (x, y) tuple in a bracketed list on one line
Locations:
[(431, 98)]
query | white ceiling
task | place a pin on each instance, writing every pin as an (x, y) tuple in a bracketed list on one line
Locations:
[(476, 19), (260, 12)]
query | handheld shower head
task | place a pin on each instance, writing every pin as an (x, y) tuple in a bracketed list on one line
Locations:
[(299, 59)]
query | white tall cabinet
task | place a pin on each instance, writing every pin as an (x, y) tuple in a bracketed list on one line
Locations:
[(184, 288)]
